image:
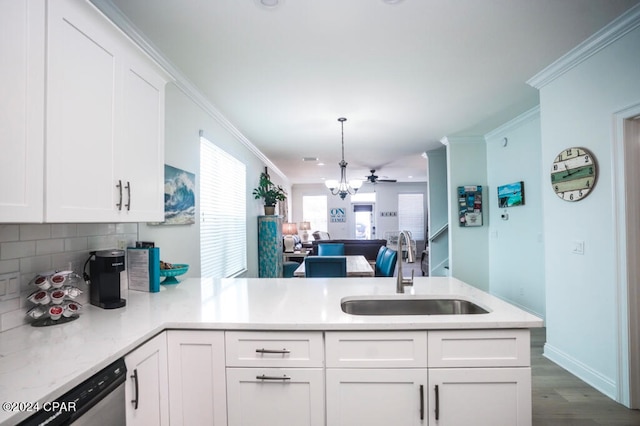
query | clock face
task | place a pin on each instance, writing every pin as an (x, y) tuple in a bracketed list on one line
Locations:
[(573, 174)]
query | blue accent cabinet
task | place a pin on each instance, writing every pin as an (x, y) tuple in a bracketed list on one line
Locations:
[(270, 251)]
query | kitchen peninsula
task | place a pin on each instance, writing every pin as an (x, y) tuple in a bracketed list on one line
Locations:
[(301, 320)]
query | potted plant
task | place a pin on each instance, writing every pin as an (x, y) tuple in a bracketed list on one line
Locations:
[(270, 192)]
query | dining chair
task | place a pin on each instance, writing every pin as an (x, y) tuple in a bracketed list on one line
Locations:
[(331, 249), (388, 263), (325, 266), (379, 259)]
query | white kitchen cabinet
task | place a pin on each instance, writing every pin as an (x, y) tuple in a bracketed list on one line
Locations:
[(105, 121), (94, 150), (377, 397), (275, 396), (376, 377), (480, 396), (147, 388), (439, 377), (196, 377), (275, 378), (22, 76)]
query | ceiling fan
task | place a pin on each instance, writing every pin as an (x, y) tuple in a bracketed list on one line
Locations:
[(373, 178)]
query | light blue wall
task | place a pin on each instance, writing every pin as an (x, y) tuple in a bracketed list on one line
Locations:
[(516, 250), (468, 246), (582, 303)]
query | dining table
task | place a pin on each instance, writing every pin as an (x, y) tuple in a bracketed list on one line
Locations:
[(357, 266)]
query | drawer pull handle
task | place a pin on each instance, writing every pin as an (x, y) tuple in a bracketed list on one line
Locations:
[(128, 205), (284, 378), (119, 186), (136, 398), (273, 351), (421, 402), (437, 403)]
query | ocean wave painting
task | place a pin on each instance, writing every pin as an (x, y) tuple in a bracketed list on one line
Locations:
[(179, 197)]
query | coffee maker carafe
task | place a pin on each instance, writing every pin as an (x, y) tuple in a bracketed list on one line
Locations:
[(105, 267)]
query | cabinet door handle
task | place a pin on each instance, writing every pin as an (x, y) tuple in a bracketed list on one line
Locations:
[(421, 402), (128, 205), (437, 403), (136, 398), (273, 351), (284, 378), (119, 186)]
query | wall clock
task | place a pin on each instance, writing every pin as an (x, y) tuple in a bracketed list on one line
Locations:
[(574, 173)]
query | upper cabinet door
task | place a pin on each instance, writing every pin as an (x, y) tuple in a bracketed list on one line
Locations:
[(140, 147), (22, 44), (82, 103)]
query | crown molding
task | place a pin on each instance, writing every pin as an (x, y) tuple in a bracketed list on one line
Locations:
[(526, 116), (180, 80), (613, 31), (456, 140)]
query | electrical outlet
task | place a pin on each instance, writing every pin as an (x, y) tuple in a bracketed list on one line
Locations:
[(122, 244)]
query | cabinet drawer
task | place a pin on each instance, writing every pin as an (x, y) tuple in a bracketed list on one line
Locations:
[(383, 349), (479, 348), (275, 396), (274, 349)]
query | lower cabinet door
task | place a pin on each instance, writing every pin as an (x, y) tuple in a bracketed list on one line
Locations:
[(380, 397), (480, 396), (196, 378), (146, 388), (275, 396)]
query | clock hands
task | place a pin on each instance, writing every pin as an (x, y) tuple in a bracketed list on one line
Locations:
[(569, 172)]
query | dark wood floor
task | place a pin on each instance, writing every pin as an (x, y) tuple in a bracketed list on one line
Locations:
[(561, 399)]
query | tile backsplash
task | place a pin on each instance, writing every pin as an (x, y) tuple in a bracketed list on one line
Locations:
[(27, 249)]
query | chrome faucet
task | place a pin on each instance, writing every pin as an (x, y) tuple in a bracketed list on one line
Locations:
[(401, 282)]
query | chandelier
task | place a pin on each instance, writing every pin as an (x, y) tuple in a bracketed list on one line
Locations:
[(343, 188)]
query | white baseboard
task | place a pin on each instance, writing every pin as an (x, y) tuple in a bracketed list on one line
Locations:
[(604, 384)]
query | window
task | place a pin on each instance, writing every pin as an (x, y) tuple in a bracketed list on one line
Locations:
[(314, 210), (223, 226), (411, 214)]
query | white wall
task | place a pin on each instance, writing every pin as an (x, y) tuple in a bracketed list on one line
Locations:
[(386, 200), (581, 303), (468, 246), (516, 250), (184, 120)]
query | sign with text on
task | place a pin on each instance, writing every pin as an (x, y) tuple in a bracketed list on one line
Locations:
[(337, 215)]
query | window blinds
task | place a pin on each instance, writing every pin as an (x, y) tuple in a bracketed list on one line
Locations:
[(411, 214), (223, 224)]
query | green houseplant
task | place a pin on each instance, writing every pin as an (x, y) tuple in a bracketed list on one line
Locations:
[(269, 192)]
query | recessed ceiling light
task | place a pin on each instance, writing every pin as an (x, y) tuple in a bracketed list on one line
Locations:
[(392, 1), (268, 3), (320, 164)]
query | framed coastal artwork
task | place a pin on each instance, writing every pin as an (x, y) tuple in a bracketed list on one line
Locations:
[(511, 195), (179, 197)]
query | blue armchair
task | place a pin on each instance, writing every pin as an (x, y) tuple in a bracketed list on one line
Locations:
[(331, 249), (325, 266)]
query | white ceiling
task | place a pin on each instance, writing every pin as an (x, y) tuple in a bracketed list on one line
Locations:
[(404, 75)]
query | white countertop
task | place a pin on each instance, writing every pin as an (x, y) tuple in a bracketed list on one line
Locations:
[(39, 364)]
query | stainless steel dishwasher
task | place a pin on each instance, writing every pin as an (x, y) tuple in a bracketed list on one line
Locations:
[(99, 400)]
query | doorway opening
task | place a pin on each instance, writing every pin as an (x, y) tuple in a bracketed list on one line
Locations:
[(626, 175), (364, 226)]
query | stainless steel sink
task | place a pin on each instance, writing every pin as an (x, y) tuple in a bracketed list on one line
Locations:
[(413, 306)]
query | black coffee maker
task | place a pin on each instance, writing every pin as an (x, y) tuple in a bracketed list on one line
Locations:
[(104, 289)]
